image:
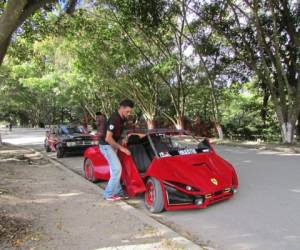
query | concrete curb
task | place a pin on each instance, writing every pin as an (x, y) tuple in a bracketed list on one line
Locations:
[(163, 230)]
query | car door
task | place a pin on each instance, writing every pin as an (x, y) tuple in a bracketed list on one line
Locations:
[(131, 178)]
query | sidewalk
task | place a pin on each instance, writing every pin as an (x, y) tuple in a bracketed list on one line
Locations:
[(260, 145), (43, 205)]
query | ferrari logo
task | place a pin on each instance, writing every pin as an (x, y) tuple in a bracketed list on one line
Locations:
[(214, 181)]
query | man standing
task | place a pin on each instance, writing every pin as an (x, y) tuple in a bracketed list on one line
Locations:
[(109, 144), (101, 124)]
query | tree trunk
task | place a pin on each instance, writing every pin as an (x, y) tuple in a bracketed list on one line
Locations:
[(264, 109), (9, 21), (3, 48), (287, 120), (298, 127), (150, 124), (287, 132), (179, 123), (219, 130), (14, 15), (62, 115)]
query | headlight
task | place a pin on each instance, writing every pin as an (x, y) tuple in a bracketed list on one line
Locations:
[(181, 185), (95, 142), (71, 143), (199, 201)]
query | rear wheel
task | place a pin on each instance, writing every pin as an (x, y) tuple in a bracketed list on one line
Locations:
[(47, 147), (59, 151), (153, 196), (88, 169)]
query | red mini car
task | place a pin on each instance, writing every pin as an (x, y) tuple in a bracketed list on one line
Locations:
[(172, 168)]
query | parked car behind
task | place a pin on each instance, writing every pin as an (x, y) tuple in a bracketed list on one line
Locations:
[(68, 139)]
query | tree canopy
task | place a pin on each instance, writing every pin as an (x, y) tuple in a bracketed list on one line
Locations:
[(216, 67)]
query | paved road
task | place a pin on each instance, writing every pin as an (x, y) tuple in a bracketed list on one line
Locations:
[(265, 214)]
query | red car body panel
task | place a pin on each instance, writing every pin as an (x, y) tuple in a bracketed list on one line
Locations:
[(196, 171), (209, 175), (101, 168), (131, 178)]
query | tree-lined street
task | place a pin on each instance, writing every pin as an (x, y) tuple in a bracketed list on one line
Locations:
[(219, 68), (227, 70)]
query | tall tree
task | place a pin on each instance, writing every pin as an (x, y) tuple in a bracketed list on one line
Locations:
[(265, 36), (164, 46), (15, 12)]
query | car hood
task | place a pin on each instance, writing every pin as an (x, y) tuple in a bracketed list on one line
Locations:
[(77, 137), (206, 172)]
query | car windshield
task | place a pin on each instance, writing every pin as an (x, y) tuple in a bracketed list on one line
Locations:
[(178, 144), (72, 130)]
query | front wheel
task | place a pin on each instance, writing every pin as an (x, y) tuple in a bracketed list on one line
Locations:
[(88, 169), (59, 151), (153, 196)]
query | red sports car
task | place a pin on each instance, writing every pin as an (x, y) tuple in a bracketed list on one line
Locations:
[(172, 168)]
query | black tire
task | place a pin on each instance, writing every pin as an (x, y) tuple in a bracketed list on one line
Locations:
[(59, 151), (156, 204), (88, 170), (46, 145)]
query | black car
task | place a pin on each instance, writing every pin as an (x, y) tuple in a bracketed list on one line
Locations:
[(68, 139)]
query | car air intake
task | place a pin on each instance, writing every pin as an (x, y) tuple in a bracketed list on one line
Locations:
[(176, 197)]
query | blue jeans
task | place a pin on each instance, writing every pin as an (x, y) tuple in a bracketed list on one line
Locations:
[(115, 169)]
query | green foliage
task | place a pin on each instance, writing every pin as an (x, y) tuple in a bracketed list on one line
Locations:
[(241, 112), (174, 59), (149, 13)]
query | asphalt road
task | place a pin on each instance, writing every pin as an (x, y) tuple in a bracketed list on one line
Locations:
[(265, 213)]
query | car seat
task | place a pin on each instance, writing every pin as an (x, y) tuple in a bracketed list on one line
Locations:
[(139, 154)]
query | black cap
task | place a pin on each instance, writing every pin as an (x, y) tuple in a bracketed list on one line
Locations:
[(127, 103)]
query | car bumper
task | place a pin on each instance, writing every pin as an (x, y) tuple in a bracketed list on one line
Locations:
[(79, 149), (178, 199)]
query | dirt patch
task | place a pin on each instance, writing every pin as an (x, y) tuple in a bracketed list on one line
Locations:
[(14, 229), (10, 153), (17, 226)]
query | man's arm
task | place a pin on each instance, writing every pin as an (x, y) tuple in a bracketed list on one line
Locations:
[(110, 140), (139, 134)]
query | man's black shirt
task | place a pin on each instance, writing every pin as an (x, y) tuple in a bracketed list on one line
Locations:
[(115, 124)]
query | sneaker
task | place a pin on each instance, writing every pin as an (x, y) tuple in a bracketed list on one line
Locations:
[(123, 196), (113, 198)]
